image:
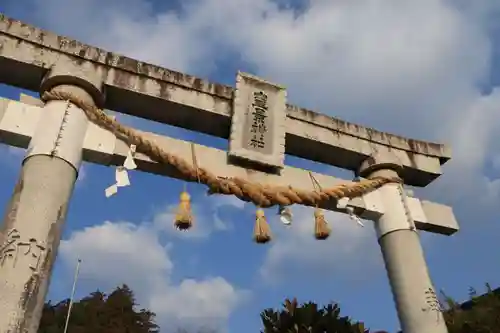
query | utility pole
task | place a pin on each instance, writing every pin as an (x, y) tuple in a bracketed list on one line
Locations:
[(77, 271)]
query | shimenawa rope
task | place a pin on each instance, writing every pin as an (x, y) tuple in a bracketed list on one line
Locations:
[(262, 196)]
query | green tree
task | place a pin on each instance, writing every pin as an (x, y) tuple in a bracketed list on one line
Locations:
[(98, 313), (479, 315), (308, 318)]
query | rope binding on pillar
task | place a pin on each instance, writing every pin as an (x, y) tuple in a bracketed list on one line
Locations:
[(263, 196)]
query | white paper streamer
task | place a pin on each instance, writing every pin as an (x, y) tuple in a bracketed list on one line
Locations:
[(342, 204), (121, 174)]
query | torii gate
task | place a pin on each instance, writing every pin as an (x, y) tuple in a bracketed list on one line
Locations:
[(260, 127)]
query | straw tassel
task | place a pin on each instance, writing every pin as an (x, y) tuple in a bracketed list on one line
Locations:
[(262, 231), (184, 217), (321, 228)]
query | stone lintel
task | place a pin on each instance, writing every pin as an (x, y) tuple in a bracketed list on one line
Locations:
[(18, 121), (179, 99)]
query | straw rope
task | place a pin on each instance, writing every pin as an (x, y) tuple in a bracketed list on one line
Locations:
[(263, 196)]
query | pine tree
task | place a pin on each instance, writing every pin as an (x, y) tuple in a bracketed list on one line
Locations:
[(308, 318)]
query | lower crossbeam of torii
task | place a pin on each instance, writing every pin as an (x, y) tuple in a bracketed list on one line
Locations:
[(69, 126)]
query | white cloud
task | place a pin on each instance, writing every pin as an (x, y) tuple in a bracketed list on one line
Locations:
[(131, 27), (121, 252), (110, 249), (207, 302), (220, 204), (474, 135)]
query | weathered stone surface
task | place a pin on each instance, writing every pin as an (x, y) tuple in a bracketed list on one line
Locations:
[(258, 121), (31, 231), (159, 94), (102, 147)]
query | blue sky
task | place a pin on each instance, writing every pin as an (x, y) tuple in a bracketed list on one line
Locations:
[(426, 69)]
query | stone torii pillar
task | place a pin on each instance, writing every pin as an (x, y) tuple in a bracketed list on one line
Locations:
[(34, 218), (416, 301)]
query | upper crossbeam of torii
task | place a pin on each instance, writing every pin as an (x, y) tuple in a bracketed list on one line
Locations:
[(76, 80)]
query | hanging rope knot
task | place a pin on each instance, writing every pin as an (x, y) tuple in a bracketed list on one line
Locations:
[(262, 231), (183, 217), (321, 228)]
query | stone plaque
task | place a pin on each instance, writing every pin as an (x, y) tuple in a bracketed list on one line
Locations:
[(258, 121)]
